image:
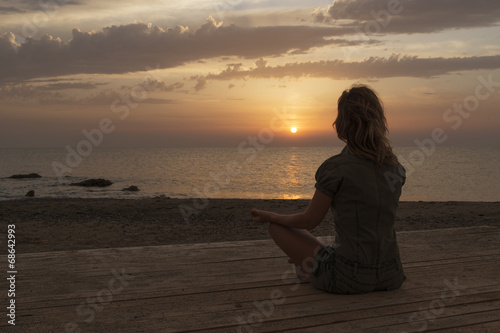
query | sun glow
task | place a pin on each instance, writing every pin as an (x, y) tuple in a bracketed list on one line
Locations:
[(293, 129)]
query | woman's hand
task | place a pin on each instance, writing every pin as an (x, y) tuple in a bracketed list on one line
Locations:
[(314, 214), (261, 216)]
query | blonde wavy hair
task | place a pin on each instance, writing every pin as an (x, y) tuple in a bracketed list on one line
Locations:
[(362, 125)]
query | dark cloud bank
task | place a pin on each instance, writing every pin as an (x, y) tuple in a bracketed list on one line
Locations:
[(134, 47), (411, 16), (137, 46)]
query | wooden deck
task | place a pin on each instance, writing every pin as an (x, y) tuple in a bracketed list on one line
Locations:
[(453, 286)]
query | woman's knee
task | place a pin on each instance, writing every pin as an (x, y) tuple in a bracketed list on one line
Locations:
[(272, 228), (275, 229)]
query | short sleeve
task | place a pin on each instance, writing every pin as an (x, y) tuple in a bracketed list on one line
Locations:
[(328, 178), (402, 172)]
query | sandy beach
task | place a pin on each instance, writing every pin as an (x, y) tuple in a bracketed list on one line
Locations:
[(73, 224)]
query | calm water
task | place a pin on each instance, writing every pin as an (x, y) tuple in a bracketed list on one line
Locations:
[(455, 174)]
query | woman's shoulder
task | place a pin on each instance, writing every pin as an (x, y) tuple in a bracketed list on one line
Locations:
[(332, 161), (347, 161), (332, 165), (336, 160)]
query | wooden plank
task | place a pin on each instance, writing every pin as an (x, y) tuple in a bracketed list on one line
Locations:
[(406, 238), (235, 267), (225, 270), (300, 301), (490, 327), (210, 295), (345, 319), (350, 315), (219, 280), (173, 271), (97, 261), (465, 315)]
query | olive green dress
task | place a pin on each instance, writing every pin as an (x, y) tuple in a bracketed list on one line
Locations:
[(365, 254)]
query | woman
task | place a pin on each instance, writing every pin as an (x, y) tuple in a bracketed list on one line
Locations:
[(361, 186)]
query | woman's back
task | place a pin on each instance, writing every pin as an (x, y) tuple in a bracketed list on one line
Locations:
[(365, 199)]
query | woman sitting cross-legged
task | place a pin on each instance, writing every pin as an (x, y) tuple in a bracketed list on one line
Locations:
[(361, 186)]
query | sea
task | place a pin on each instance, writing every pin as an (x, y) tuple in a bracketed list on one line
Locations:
[(433, 173)]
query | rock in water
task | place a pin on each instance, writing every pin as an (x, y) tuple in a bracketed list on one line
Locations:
[(93, 183), (31, 175), (132, 188), (30, 193)]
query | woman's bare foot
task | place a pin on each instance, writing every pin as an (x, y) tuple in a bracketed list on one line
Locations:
[(301, 275)]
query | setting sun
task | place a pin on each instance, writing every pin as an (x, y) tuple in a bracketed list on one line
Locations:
[(293, 129)]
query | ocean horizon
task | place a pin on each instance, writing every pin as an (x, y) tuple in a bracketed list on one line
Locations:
[(433, 174)]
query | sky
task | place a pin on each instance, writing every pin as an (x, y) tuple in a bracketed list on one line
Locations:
[(219, 73)]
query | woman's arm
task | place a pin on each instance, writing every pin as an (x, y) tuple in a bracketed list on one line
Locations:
[(314, 214)]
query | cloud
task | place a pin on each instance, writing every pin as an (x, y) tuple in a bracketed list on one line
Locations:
[(9, 10), (201, 82), (21, 91), (24, 6), (72, 85), (133, 47), (410, 16), (373, 67), (52, 91), (55, 93), (261, 63), (161, 85), (419, 91), (103, 97)]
